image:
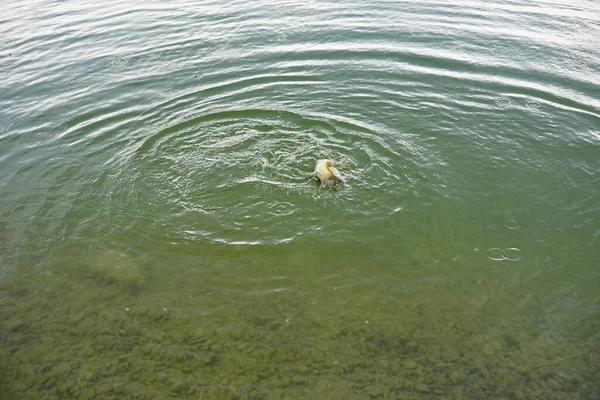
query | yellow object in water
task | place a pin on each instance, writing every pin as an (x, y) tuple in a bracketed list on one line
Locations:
[(326, 172)]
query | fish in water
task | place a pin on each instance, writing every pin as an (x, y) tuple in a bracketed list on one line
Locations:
[(326, 172)]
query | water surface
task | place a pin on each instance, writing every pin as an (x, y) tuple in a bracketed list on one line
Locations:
[(160, 237)]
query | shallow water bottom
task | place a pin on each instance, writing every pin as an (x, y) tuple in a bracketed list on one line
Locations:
[(275, 324)]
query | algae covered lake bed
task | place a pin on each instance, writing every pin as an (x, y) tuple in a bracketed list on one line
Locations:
[(287, 333)]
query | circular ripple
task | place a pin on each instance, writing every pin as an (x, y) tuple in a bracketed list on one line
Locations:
[(495, 253), (509, 254), (512, 224), (44, 123), (213, 177), (503, 101), (533, 104), (229, 176), (281, 208), (512, 254), (119, 61)]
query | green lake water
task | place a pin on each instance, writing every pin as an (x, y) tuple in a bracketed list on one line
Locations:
[(161, 238)]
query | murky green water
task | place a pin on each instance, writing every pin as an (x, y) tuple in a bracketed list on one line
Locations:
[(160, 237)]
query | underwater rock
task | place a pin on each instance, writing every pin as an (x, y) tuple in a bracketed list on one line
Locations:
[(302, 368), (456, 377), (64, 386), (60, 370), (488, 350), (222, 333), (116, 267), (374, 391), (237, 334), (453, 355), (384, 364), (497, 345), (200, 335), (178, 386), (275, 394), (421, 387), (14, 324)]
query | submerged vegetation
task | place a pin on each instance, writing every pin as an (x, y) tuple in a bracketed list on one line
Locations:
[(379, 341), (84, 393)]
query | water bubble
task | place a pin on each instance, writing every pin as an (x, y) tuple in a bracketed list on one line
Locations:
[(281, 208), (511, 224), (512, 254), (533, 104)]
